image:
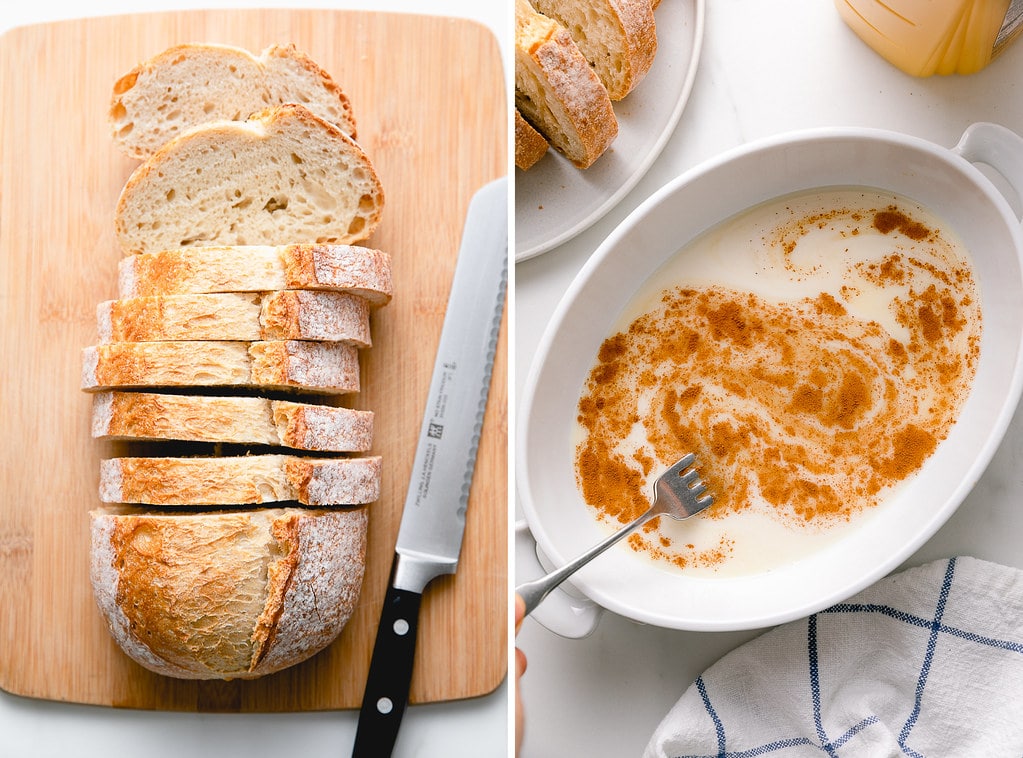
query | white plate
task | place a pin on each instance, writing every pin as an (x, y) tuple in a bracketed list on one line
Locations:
[(554, 201), (943, 180)]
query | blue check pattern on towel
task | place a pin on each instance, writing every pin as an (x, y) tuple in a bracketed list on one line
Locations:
[(927, 663)]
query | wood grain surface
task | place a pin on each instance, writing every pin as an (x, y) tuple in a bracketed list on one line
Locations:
[(429, 98)]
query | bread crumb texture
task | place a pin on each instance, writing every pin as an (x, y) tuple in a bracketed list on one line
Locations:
[(192, 84), (282, 177)]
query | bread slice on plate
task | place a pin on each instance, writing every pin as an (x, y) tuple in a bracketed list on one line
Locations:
[(530, 145), (192, 84), (280, 364), (229, 595), (233, 420), (618, 37), (240, 480), (284, 176), (280, 315), (356, 270), (557, 91)]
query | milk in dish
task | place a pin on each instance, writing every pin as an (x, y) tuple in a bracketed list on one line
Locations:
[(812, 351)]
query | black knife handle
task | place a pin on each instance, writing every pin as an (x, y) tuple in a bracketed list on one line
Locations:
[(390, 674)]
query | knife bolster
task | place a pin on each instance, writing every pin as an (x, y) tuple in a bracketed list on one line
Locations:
[(413, 571)]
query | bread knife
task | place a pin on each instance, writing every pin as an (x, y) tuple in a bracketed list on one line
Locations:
[(433, 521)]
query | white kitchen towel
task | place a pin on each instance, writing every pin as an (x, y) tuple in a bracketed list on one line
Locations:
[(925, 663)]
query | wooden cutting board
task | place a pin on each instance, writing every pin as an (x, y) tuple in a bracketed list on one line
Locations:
[(429, 98)]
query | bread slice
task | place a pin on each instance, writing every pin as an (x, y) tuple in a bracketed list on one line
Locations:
[(530, 146), (192, 84), (282, 364), (344, 268), (237, 420), (232, 595), (280, 315), (618, 37), (557, 91), (240, 480), (284, 176)]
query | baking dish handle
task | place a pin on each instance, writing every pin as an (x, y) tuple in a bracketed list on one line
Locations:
[(567, 614), (1001, 149)]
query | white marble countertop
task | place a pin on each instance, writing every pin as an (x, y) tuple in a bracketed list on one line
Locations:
[(475, 728), (766, 68)]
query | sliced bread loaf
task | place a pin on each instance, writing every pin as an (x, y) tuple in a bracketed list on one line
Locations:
[(284, 176), (281, 364), (256, 268), (618, 37), (240, 420), (240, 480), (557, 91), (280, 315), (192, 84), (231, 595), (530, 146)]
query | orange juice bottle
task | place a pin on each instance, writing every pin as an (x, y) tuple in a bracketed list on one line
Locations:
[(924, 37)]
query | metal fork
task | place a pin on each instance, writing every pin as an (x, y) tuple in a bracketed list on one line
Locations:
[(677, 493)]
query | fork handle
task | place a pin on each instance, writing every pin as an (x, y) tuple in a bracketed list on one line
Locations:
[(534, 592)]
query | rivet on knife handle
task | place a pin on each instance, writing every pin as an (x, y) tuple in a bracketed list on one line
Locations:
[(390, 675)]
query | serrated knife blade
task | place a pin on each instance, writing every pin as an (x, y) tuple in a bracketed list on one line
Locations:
[(433, 521)]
